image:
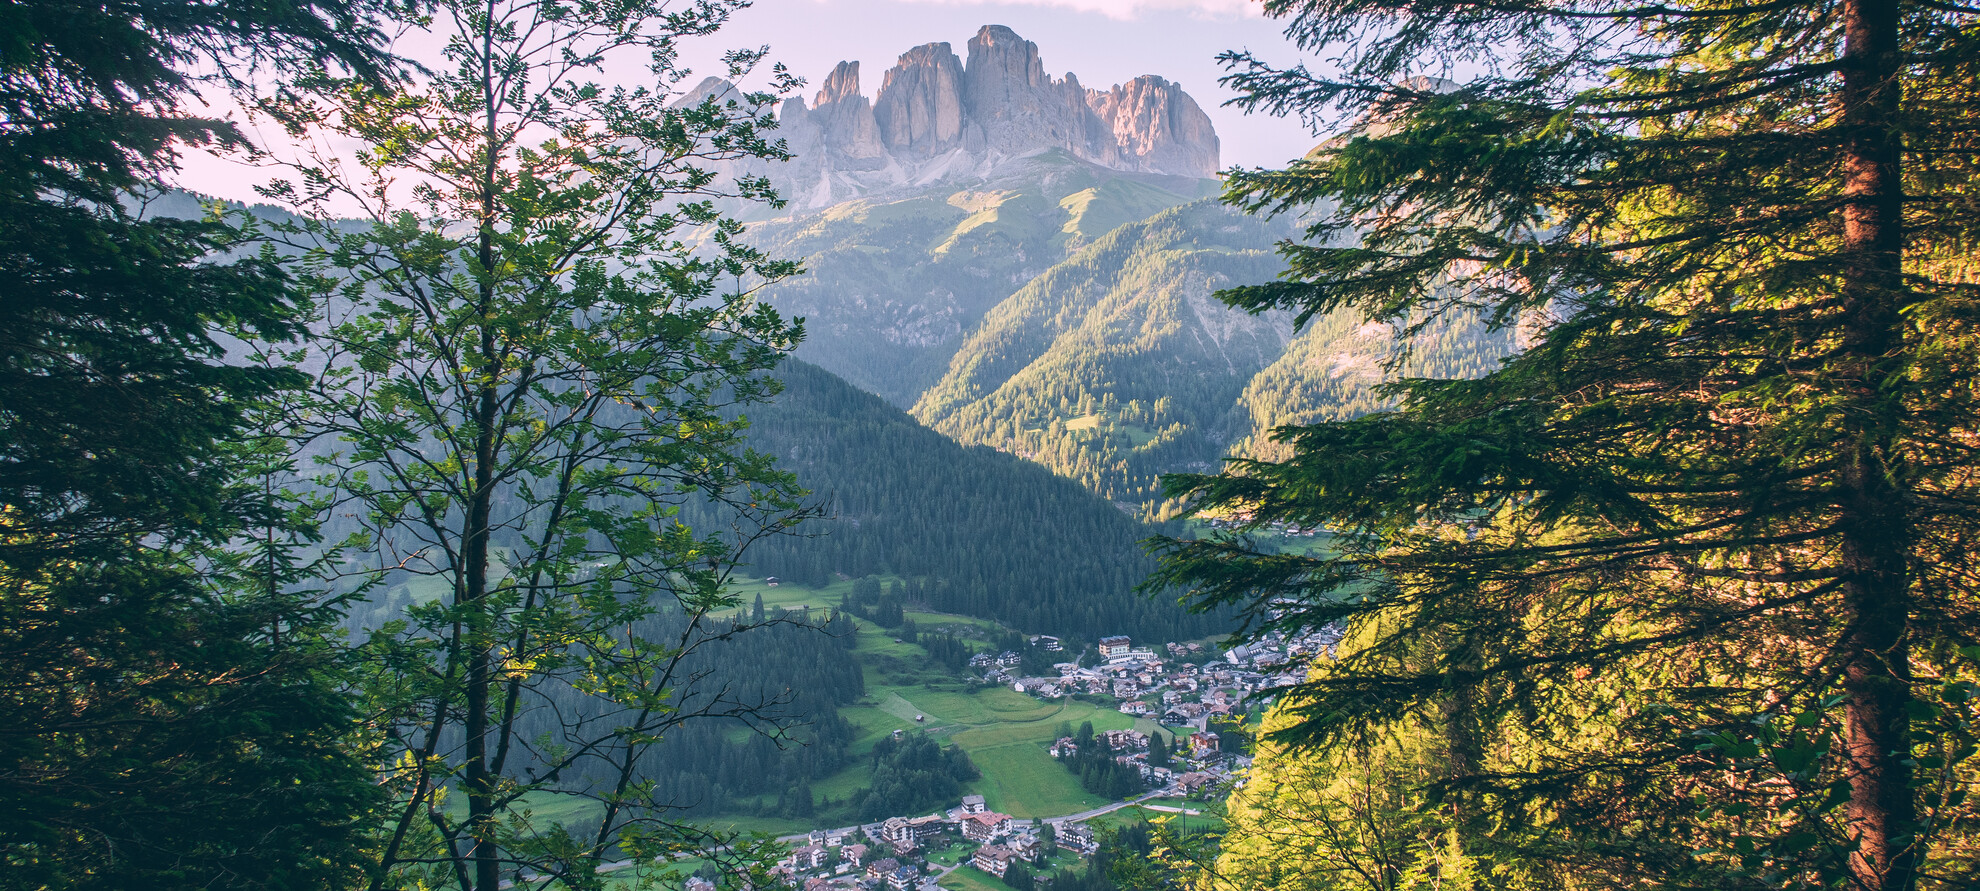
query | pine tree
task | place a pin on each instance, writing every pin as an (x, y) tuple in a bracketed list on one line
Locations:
[(1685, 567), (171, 715)]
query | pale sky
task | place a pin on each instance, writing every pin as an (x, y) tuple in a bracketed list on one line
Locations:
[(1104, 42)]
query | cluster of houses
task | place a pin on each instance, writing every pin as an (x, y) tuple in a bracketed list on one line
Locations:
[(1184, 691), (892, 855), (1180, 693), (1130, 747)]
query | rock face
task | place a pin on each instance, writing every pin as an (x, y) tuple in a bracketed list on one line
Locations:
[(1157, 125), (920, 108), (937, 118), (846, 120)]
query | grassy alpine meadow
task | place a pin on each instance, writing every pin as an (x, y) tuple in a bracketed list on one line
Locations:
[(969, 878), (1006, 733), (1022, 780)]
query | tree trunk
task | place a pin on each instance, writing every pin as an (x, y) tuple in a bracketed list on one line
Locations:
[(479, 779), (1875, 647)]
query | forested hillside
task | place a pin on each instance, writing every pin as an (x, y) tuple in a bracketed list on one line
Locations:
[(894, 285), (990, 535), (1117, 365)]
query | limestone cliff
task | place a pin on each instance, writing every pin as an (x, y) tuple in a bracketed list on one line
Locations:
[(940, 119), (920, 108)]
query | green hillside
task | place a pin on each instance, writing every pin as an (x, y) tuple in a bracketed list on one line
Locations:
[(982, 533), (893, 285), (1118, 365)]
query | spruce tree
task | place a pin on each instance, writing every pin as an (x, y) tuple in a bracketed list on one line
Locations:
[(1682, 585), (170, 716)]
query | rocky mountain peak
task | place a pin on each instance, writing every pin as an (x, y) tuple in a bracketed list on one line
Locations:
[(842, 85), (1157, 125), (920, 108), (846, 120), (938, 117), (1004, 70)]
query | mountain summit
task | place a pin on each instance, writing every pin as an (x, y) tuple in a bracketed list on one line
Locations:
[(939, 119)]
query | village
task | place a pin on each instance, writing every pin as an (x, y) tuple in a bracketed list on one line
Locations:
[(1196, 695), (1179, 692)]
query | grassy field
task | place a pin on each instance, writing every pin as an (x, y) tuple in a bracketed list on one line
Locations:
[(1143, 815), (1005, 732), (1043, 728), (951, 854), (969, 878), (1022, 780)]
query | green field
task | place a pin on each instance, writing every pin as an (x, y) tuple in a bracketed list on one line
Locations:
[(969, 878), (951, 854), (1192, 823), (1004, 732), (1022, 780), (1041, 729)]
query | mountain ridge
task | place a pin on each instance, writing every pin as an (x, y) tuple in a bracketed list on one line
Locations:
[(938, 118)]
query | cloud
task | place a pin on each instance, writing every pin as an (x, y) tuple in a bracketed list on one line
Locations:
[(1126, 9)]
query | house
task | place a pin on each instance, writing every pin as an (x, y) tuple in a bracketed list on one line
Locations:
[(1137, 709), (993, 859), (902, 878), (1202, 744), (1187, 714), (854, 854), (771, 580), (897, 834), (1064, 748), (1075, 837), (881, 868), (985, 826), (817, 884), (1195, 781), (699, 883), (808, 857), (921, 829), (1125, 740), (973, 804), (1025, 847), (1114, 646)]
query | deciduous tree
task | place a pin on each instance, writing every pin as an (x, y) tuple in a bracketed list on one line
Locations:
[(527, 360)]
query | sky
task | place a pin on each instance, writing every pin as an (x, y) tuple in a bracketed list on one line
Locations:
[(1104, 42)]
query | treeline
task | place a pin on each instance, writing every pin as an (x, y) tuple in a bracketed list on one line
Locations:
[(1093, 763), (787, 674), (978, 532), (913, 775)]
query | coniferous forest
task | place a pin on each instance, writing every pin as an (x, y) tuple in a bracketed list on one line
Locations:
[(1627, 356), (976, 532)]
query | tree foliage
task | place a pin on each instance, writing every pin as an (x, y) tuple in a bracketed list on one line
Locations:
[(526, 360), (1683, 586), (912, 775), (170, 717)]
